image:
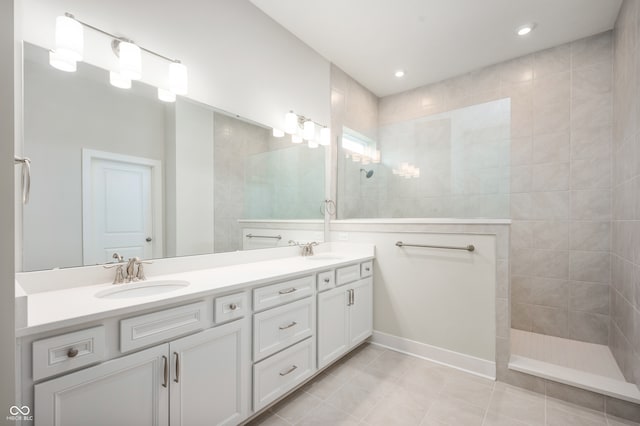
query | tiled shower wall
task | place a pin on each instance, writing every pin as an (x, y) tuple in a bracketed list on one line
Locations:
[(625, 257), (561, 117)]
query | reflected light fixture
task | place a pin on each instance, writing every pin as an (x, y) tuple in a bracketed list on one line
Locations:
[(525, 29), (166, 95), (277, 133), (296, 138), (312, 144), (62, 62), (116, 79), (178, 80)]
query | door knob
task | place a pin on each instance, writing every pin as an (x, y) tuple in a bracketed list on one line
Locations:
[(149, 239)]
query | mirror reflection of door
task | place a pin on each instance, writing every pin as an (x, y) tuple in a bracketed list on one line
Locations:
[(118, 205)]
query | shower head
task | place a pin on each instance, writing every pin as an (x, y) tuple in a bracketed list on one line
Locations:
[(367, 173)]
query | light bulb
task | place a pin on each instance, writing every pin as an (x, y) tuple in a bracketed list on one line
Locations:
[(325, 136), (178, 79), (309, 130), (277, 133), (62, 62), (117, 80), (130, 60), (69, 38), (166, 95), (290, 123)]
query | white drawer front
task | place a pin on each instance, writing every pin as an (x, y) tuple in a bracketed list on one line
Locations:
[(66, 352), (280, 327), (366, 269), (326, 280), (287, 291), (155, 327), (347, 274), (231, 307), (274, 376)]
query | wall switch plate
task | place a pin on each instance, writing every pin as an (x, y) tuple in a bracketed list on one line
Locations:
[(343, 236)]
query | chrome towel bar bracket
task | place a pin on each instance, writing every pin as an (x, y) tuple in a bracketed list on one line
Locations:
[(469, 248)]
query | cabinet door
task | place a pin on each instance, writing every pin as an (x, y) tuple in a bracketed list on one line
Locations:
[(127, 390), (333, 337), (210, 376), (361, 311)]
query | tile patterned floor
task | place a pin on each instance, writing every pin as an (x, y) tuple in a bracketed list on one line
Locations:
[(378, 387)]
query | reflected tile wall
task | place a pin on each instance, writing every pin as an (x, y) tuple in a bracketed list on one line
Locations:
[(624, 338), (559, 180)]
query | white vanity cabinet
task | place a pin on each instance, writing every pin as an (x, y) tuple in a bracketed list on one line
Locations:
[(203, 378), (345, 319)]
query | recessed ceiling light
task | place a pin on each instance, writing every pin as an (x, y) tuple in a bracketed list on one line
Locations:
[(399, 73), (525, 29)]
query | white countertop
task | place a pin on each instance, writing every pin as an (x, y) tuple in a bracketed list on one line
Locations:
[(67, 307)]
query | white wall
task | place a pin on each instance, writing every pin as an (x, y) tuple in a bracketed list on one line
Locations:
[(239, 59), (61, 118), (7, 336)]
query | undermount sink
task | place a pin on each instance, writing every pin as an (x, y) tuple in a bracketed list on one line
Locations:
[(141, 289), (325, 256)]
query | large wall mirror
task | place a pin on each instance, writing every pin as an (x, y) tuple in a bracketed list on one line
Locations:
[(118, 170)]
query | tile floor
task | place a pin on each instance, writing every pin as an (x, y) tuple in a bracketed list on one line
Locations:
[(374, 386)]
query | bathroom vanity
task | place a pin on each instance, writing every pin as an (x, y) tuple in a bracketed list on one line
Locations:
[(212, 346)]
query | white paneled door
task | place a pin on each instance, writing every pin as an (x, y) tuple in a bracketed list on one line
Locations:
[(118, 207)]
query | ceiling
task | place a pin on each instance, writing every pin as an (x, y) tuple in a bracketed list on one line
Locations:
[(433, 39)]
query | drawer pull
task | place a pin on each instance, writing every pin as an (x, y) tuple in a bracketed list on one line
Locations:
[(367, 269), (293, 323), (233, 306), (287, 291), (72, 352), (326, 280), (166, 371), (289, 371)]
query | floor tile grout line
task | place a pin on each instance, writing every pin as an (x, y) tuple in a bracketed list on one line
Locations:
[(486, 412)]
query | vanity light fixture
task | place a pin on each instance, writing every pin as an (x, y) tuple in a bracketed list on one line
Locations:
[(309, 130), (325, 136), (399, 73), (118, 80), (277, 133), (291, 123), (407, 171), (70, 49), (525, 29)]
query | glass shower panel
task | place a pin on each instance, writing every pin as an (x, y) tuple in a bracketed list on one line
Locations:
[(451, 165)]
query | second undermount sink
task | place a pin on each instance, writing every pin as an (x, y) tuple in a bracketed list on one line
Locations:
[(324, 256), (141, 289)]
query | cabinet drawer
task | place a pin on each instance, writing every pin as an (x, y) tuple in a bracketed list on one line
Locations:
[(366, 269), (155, 327), (277, 375), (347, 274), (287, 291), (326, 280), (280, 327), (230, 307), (66, 352)]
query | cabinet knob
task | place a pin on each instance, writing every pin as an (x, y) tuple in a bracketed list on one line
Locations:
[(326, 280), (233, 306), (367, 269), (72, 352)]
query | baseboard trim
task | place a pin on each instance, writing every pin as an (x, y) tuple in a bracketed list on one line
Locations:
[(467, 363)]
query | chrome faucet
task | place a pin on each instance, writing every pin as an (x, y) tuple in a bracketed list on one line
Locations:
[(307, 249), (131, 274)]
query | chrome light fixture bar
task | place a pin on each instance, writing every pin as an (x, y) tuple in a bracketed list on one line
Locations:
[(70, 46)]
